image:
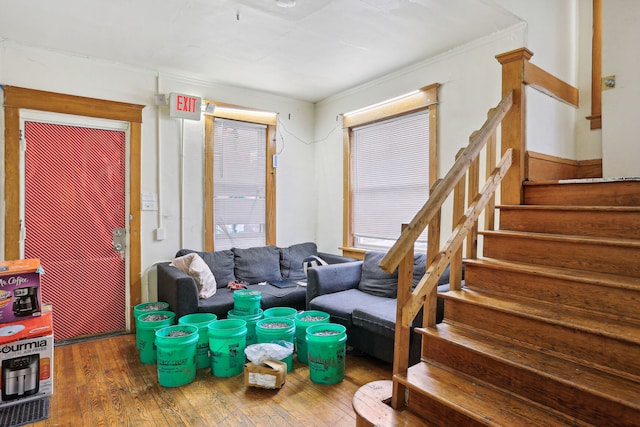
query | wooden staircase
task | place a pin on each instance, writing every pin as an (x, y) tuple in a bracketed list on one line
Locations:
[(546, 331)]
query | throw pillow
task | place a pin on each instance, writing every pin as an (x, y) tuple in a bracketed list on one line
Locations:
[(376, 281), (193, 265), (291, 260), (220, 263), (259, 264), (312, 261)]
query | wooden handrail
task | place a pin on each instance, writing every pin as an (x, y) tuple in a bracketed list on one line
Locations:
[(461, 229), (417, 225)]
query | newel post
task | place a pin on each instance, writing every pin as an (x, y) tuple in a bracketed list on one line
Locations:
[(513, 124)]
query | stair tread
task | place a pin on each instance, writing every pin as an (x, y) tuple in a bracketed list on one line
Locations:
[(369, 402), (476, 400), (597, 382), (619, 241), (551, 313), (603, 279), (581, 208)]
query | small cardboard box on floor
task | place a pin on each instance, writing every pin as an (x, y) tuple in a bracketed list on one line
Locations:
[(271, 375), (20, 296), (26, 359)]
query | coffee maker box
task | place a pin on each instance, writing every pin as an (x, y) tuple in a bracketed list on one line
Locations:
[(20, 294), (26, 359)]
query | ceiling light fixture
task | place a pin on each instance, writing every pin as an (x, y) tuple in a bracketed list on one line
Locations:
[(286, 3)]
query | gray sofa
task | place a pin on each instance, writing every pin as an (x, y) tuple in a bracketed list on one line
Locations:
[(362, 297), (252, 266)]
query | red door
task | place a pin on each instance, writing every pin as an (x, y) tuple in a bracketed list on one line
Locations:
[(74, 200)]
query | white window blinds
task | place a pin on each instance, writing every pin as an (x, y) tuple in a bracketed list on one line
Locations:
[(239, 184), (390, 161)]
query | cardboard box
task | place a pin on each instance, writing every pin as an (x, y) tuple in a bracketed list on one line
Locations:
[(20, 294), (271, 376), (26, 365)]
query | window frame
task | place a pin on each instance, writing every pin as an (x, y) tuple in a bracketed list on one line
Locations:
[(233, 112), (424, 98)]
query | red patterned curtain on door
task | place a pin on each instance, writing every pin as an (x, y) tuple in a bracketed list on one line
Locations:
[(74, 198)]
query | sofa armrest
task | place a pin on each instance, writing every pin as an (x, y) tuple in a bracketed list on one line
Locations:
[(178, 289), (335, 259), (327, 279)]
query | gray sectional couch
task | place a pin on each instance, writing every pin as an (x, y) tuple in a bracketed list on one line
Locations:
[(362, 297), (253, 266)]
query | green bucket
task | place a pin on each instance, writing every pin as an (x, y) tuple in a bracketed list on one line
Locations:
[(276, 329), (148, 324), (145, 308), (326, 343), (246, 301), (251, 320), (227, 340), (303, 320), (286, 312), (176, 354), (200, 321)]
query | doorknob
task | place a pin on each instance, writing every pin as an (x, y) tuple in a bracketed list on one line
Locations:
[(119, 241)]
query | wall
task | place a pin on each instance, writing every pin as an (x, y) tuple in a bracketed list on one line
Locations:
[(465, 98), (548, 28), (620, 126), (162, 165)]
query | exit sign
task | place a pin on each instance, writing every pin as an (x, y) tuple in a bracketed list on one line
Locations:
[(185, 106)]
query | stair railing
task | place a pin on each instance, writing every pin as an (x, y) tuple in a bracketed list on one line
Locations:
[(401, 255), (510, 113)]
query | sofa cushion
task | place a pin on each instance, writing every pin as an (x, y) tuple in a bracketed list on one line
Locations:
[(376, 281), (419, 268), (220, 263), (291, 259), (341, 304), (259, 264), (380, 318)]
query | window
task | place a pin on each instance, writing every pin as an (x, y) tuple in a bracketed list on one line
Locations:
[(239, 179), (390, 164)]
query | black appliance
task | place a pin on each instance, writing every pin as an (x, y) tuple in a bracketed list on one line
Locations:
[(25, 301), (20, 377)]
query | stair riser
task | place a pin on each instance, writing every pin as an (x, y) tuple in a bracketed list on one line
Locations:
[(440, 415), (581, 223), (587, 296), (598, 350), (531, 384), (623, 193), (614, 259)]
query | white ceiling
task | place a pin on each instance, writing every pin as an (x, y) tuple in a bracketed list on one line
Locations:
[(308, 52)]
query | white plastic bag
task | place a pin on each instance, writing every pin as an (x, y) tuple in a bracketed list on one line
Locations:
[(258, 353)]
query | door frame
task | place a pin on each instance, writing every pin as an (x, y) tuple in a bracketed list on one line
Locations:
[(15, 99)]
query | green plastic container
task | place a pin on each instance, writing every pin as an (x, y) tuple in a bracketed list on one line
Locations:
[(145, 308), (200, 321), (227, 341), (177, 347), (326, 343), (275, 329), (303, 320), (251, 320), (286, 312), (148, 324), (246, 301)]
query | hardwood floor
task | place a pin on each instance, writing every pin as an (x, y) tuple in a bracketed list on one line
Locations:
[(102, 382)]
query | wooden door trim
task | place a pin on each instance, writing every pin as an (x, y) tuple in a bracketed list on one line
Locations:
[(16, 98)]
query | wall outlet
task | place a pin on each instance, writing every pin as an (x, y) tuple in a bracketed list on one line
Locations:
[(161, 234)]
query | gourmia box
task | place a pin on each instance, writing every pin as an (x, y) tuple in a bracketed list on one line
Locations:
[(20, 295), (26, 359)]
